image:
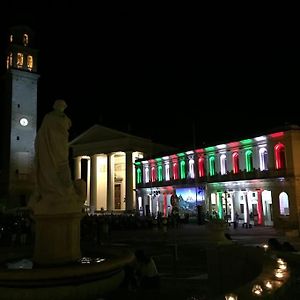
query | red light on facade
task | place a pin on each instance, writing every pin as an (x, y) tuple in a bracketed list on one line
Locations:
[(233, 144), (277, 134)]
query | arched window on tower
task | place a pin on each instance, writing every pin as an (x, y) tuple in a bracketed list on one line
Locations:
[(263, 159), (201, 166), (29, 62), (20, 60), (159, 172), (25, 39), (153, 174), (235, 163), (284, 207), (11, 38), (223, 164), (212, 169), (279, 156), (249, 160), (175, 170)]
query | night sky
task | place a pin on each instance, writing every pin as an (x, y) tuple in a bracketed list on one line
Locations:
[(179, 76)]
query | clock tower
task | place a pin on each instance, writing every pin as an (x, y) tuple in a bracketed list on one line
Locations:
[(19, 117)]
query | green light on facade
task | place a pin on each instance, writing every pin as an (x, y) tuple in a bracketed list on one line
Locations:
[(208, 149), (212, 170), (160, 173), (246, 142), (138, 163), (139, 175), (180, 154), (182, 169), (220, 205), (158, 159), (249, 160)]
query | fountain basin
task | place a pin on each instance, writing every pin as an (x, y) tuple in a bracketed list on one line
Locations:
[(72, 281)]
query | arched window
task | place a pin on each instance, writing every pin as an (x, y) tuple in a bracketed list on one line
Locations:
[(212, 170), (25, 39), (138, 175), (175, 170), (263, 159), (201, 166), (153, 174), (20, 60), (167, 171), (182, 169), (29, 62), (223, 164), (147, 175), (284, 204), (279, 156), (191, 168), (249, 161), (235, 163), (160, 173)]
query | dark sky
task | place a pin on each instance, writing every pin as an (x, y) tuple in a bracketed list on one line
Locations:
[(181, 76)]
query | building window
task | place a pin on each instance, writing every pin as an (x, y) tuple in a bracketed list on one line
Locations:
[(223, 164), (235, 163), (249, 161), (138, 175), (25, 39), (7, 62), (11, 38), (175, 170), (263, 159), (20, 60), (160, 173), (182, 169), (284, 204), (147, 174), (201, 166), (29, 62), (153, 174), (191, 168), (167, 171), (279, 156), (212, 170)]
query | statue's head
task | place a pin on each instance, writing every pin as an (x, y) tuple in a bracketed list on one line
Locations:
[(60, 105)]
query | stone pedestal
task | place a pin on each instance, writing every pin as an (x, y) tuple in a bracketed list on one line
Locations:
[(57, 238)]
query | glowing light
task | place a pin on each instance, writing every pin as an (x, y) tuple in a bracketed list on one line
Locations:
[(160, 172), (165, 158), (257, 289), (191, 168), (283, 266), (138, 175), (223, 164), (208, 149), (265, 246), (201, 167), (246, 142), (231, 297), (189, 152), (260, 138), (279, 156), (279, 273), (199, 150), (180, 154), (235, 160), (268, 284), (20, 60), (233, 144), (182, 169), (263, 159), (277, 134), (212, 166), (221, 146), (249, 161), (280, 261), (29, 62)]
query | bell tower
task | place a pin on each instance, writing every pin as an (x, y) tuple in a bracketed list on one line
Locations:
[(19, 117)]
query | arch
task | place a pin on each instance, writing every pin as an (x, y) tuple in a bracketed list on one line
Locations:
[(212, 169), (201, 166), (279, 150), (284, 207), (175, 170), (153, 173), (147, 179), (182, 169), (249, 160), (235, 163), (191, 168), (167, 171), (138, 175), (223, 164), (160, 173), (263, 159)]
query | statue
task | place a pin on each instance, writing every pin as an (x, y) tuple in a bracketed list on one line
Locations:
[(55, 190)]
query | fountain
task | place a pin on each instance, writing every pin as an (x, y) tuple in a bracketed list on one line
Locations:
[(59, 271)]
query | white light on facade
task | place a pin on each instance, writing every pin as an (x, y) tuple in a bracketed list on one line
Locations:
[(257, 290), (231, 297), (260, 138), (221, 146)]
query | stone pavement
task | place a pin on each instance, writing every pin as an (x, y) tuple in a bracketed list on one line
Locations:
[(180, 256)]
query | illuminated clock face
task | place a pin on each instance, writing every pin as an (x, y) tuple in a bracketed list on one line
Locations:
[(24, 121)]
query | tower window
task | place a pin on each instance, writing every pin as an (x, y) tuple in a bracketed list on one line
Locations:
[(25, 39), (7, 62), (29, 62), (11, 38), (20, 60)]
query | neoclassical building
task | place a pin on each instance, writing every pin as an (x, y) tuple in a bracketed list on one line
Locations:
[(105, 158), (255, 179)]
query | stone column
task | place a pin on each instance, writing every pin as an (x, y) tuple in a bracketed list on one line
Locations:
[(93, 203), (129, 182), (110, 181), (77, 173)]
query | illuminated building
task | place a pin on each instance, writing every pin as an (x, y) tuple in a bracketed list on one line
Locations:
[(256, 179)]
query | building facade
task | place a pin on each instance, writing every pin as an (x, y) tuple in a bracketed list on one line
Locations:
[(105, 158), (255, 180), (18, 117)]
